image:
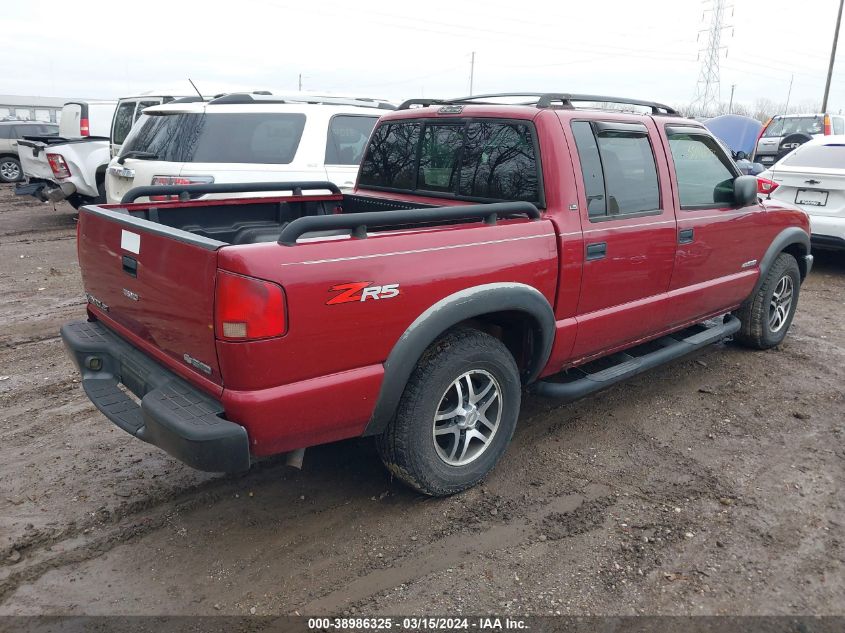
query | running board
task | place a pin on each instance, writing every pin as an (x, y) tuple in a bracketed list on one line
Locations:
[(630, 363)]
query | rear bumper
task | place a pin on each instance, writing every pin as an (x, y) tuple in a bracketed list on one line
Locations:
[(827, 231), (45, 190), (172, 414)]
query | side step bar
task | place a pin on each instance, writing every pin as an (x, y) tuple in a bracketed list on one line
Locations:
[(668, 348)]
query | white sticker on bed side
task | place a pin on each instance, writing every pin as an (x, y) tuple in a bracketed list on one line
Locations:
[(130, 242)]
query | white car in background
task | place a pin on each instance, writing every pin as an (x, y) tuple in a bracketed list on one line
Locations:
[(813, 178), (245, 137)]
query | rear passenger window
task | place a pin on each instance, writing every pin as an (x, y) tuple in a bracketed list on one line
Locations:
[(704, 178), (620, 176), (347, 139)]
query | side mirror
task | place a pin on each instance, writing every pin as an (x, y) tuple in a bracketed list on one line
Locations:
[(740, 155), (745, 191)]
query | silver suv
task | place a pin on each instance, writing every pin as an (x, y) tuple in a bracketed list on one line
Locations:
[(10, 132), (784, 132)]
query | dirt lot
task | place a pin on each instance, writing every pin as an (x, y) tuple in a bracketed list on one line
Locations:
[(713, 486)]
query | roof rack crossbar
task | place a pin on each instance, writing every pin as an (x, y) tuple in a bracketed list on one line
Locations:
[(544, 100)]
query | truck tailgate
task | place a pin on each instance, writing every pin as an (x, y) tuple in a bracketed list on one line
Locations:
[(33, 157), (156, 282)]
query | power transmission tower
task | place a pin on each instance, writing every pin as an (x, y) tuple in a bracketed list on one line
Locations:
[(707, 93)]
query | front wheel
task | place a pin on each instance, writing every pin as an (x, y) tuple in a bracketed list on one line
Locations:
[(766, 317), (456, 416)]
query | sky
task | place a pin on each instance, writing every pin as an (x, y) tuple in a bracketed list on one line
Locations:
[(398, 50)]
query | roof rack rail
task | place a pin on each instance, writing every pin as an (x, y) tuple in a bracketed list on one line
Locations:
[(545, 100), (265, 96)]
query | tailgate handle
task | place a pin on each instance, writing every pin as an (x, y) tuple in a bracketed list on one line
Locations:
[(130, 266)]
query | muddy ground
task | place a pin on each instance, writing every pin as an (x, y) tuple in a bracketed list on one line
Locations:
[(712, 486)]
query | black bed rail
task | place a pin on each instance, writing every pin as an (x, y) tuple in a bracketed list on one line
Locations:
[(358, 222), (185, 192)]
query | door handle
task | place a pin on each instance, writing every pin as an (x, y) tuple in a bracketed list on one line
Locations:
[(685, 236), (597, 250), (130, 266)]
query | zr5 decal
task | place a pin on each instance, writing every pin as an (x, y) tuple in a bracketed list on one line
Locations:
[(362, 291)]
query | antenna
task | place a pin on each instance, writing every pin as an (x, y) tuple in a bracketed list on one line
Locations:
[(195, 88), (707, 95)]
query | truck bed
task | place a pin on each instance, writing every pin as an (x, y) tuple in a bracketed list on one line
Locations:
[(254, 220)]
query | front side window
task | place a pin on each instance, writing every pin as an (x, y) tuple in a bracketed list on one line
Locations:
[(258, 138), (620, 176), (705, 179), (472, 159), (347, 139)]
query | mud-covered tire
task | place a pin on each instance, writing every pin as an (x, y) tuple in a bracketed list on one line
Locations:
[(765, 316), (418, 449)]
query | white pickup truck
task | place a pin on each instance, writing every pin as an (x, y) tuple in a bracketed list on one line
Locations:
[(72, 165)]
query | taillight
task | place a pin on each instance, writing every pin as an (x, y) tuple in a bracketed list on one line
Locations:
[(766, 186), (177, 180), (58, 165), (84, 130), (827, 130), (246, 308)]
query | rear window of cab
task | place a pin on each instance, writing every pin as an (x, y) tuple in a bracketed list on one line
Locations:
[(471, 159)]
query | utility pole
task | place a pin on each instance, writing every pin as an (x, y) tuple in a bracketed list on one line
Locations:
[(731, 104), (789, 95), (832, 57), (471, 72), (300, 82)]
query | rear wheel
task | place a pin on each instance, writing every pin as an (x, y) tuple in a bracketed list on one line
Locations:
[(457, 414), (767, 316), (10, 169)]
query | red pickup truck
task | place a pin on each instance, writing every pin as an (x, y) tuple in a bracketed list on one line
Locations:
[(556, 245)]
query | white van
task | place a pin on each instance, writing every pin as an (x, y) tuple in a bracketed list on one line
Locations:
[(86, 118)]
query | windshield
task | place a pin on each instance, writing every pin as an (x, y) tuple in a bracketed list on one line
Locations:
[(784, 126), (825, 156), (264, 138)]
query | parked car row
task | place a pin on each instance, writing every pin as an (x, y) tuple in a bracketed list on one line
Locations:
[(105, 148)]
